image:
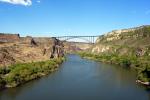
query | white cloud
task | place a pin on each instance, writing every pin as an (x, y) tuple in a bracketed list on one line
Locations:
[(20, 2)]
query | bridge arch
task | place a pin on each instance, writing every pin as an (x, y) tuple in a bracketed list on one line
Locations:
[(88, 39)]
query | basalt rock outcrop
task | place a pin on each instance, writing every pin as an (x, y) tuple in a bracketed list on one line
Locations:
[(16, 49), (57, 49)]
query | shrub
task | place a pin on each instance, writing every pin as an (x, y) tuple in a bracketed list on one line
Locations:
[(2, 82), (21, 73)]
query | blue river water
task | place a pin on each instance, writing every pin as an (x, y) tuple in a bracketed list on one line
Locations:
[(81, 79)]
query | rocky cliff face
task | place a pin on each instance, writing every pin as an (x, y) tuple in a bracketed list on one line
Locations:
[(28, 49), (71, 47), (125, 42), (57, 49)]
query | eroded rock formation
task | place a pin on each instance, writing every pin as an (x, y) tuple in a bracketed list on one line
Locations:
[(27, 49), (133, 41)]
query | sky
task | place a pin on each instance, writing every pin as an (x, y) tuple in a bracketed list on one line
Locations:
[(71, 17)]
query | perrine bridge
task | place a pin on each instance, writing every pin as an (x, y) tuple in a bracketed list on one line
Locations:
[(87, 39)]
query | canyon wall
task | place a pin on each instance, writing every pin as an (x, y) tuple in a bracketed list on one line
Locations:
[(72, 47), (134, 41), (15, 49)]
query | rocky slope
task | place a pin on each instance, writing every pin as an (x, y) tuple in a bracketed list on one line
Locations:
[(125, 42), (15, 49), (73, 47)]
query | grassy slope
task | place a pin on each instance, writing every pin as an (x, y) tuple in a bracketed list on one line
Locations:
[(20, 73)]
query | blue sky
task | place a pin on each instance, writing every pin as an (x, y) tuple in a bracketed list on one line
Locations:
[(71, 17)]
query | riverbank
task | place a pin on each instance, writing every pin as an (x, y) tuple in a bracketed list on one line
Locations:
[(141, 64), (21, 73)]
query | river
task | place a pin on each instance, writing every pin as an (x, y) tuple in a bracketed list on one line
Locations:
[(81, 79)]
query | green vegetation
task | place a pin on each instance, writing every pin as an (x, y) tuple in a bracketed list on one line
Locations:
[(144, 74), (145, 31), (20, 73), (142, 64), (2, 83)]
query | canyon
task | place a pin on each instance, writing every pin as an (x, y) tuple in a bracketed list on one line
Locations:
[(23, 59), (126, 47)]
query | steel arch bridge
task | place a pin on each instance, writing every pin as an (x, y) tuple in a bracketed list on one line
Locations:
[(88, 39)]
